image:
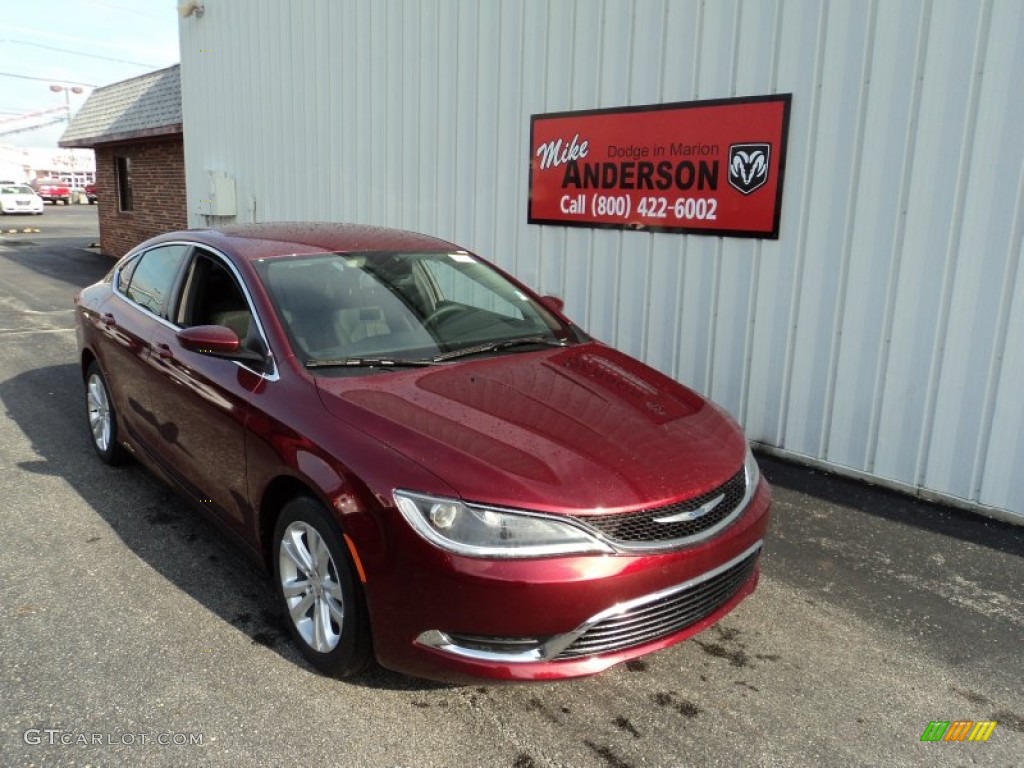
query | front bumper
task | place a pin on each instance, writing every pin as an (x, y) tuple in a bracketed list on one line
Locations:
[(625, 625), (9, 208), (456, 619)]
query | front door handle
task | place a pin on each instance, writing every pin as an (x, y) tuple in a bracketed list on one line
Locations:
[(108, 320), (164, 352)]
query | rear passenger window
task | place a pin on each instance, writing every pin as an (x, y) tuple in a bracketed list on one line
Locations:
[(153, 278)]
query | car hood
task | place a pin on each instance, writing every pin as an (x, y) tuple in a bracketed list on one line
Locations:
[(580, 428)]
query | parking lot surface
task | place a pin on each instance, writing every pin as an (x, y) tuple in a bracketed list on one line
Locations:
[(131, 633)]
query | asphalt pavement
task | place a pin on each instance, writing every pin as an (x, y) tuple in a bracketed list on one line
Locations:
[(132, 634)]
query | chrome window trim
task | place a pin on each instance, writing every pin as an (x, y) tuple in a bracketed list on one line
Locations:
[(115, 287), (550, 648)]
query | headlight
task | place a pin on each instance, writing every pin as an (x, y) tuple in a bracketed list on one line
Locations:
[(488, 532), (753, 473)]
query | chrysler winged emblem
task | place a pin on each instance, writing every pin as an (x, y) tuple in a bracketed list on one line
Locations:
[(692, 514), (748, 166)]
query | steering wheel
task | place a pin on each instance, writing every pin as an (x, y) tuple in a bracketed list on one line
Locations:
[(440, 313)]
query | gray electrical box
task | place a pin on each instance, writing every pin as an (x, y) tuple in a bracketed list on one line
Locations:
[(220, 199)]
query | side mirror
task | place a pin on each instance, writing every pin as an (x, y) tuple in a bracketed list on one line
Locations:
[(216, 340), (209, 340), (554, 303)]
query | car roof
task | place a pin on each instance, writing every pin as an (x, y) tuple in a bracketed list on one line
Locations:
[(256, 241)]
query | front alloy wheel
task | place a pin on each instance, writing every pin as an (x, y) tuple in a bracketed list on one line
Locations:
[(315, 584), (310, 586), (102, 417)]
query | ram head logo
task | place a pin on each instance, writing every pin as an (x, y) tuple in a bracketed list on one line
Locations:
[(748, 166)]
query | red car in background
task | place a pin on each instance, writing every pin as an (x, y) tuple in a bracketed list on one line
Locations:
[(438, 467), (91, 193), (52, 190)]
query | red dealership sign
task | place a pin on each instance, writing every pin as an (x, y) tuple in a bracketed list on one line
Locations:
[(701, 167)]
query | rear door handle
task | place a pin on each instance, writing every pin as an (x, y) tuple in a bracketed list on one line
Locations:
[(108, 320)]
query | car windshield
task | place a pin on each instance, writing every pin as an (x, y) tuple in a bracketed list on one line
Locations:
[(16, 190), (390, 309)]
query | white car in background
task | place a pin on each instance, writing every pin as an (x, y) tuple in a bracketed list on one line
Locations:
[(20, 198)]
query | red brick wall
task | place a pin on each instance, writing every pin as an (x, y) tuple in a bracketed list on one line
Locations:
[(158, 189)]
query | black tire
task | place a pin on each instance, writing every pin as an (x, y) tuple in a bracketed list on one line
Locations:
[(103, 420), (333, 595)]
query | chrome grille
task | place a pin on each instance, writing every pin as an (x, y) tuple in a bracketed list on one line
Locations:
[(662, 615), (640, 527)]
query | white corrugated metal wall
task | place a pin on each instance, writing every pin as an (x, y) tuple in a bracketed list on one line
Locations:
[(883, 333)]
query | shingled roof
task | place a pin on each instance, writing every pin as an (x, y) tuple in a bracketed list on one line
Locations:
[(144, 107)]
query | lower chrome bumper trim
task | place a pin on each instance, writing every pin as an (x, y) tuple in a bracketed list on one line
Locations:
[(522, 650)]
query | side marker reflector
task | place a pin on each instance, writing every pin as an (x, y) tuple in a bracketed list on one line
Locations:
[(355, 557)]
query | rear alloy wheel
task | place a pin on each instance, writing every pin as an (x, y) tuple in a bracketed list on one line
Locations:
[(313, 573), (102, 418)]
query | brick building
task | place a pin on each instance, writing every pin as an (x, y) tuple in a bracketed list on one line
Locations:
[(135, 128)]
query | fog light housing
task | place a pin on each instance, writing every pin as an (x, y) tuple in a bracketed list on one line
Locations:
[(509, 650)]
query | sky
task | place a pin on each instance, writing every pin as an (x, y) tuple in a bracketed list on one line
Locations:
[(75, 43)]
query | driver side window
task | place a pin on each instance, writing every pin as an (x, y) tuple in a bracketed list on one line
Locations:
[(212, 296)]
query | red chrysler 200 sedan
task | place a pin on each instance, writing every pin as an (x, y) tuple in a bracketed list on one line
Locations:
[(438, 467)]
